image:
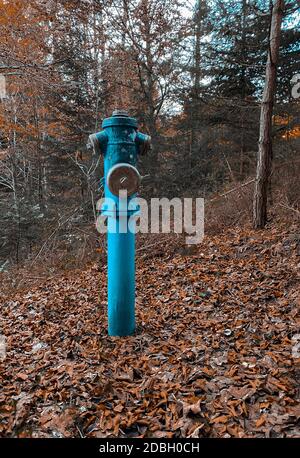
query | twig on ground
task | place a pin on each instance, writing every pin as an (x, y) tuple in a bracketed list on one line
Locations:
[(232, 190), (290, 208)]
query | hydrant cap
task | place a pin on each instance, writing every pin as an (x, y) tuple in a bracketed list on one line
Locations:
[(123, 177), (119, 118), (120, 113)]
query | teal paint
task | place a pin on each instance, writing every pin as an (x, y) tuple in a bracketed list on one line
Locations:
[(120, 143)]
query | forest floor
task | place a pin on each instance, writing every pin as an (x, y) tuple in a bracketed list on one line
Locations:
[(215, 354)]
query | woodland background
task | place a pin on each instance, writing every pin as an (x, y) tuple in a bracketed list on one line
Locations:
[(216, 351), (191, 72)]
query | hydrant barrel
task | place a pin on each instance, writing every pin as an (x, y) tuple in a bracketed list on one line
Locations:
[(121, 281), (120, 143)]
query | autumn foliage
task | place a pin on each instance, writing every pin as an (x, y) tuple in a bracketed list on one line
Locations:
[(216, 350)]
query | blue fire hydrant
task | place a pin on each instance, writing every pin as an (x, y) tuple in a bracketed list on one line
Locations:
[(120, 143)]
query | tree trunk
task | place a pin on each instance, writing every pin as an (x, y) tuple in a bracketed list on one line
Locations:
[(264, 160), (196, 75), (244, 84)]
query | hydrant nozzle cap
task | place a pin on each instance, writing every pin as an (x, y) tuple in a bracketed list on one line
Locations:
[(120, 113)]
